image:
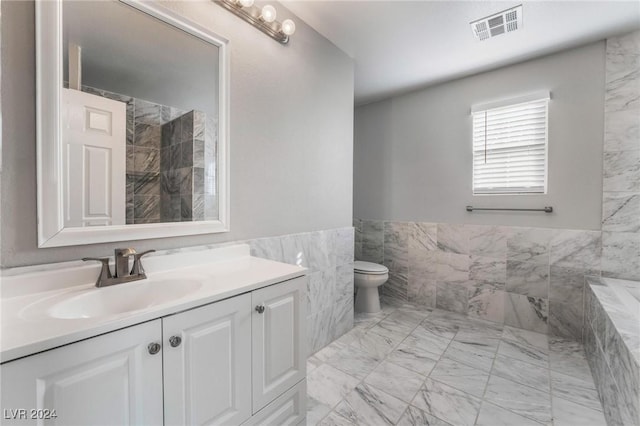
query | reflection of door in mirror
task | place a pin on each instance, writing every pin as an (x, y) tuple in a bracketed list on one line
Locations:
[(94, 133)]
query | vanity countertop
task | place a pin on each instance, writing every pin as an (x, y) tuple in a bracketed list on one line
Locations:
[(31, 324)]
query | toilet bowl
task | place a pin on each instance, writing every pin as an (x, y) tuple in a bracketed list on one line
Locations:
[(367, 278)]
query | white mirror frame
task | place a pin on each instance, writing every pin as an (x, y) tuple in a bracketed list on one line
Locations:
[(49, 74)]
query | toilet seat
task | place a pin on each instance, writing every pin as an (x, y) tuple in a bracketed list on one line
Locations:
[(369, 268)]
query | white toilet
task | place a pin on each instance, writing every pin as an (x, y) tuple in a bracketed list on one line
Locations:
[(367, 278)]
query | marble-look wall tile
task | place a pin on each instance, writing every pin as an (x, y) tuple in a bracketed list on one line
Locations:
[(488, 271), (621, 255), (576, 249), (528, 279), (146, 135), (396, 288), (621, 171), (621, 166), (621, 211), (566, 319), (342, 317), (526, 312), (146, 184), (344, 243), (488, 241), (198, 154), (344, 282), (453, 268), (186, 208), (452, 297), (267, 248), (170, 206), (187, 127), (566, 285), (147, 112), (294, 250), (319, 332), (186, 181), (321, 291), (622, 130), (146, 207), (628, 44), (169, 113), (372, 241), (198, 180), (396, 245), (171, 133), (519, 265), (422, 279), (320, 250), (357, 230), (329, 286), (529, 244), (146, 159), (453, 238), (395, 257), (186, 154), (423, 238), (199, 125), (622, 79), (486, 303)]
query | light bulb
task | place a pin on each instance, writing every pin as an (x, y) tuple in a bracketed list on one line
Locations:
[(268, 13), (246, 3), (288, 27)]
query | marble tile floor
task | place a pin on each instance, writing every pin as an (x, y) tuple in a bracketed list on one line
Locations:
[(413, 366)]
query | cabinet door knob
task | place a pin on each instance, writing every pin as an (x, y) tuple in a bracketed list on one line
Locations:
[(175, 341), (154, 348), (260, 309)]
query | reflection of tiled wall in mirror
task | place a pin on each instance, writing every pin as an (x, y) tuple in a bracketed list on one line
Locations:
[(171, 162), (187, 160)]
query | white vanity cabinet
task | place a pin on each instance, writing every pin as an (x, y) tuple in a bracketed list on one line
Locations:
[(207, 364), (106, 380), (236, 361), (277, 326)]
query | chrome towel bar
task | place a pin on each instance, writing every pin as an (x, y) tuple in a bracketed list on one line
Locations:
[(546, 209)]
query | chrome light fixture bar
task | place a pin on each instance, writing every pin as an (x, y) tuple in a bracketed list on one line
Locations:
[(263, 18)]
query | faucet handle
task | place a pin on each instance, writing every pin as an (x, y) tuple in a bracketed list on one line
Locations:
[(137, 263), (105, 272), (124, 252)]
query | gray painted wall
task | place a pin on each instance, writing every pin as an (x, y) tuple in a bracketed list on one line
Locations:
[(291, 136), (413, 152)]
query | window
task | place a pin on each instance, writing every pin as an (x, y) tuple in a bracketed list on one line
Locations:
[(510, 146)]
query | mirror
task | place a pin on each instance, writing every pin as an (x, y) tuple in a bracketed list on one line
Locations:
[(132, 123)]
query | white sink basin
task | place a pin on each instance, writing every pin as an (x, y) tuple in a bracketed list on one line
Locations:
[(117, 299)]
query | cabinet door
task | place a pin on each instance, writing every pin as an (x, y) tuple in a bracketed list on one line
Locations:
[(289, 409), (207, 377), (278, 339), (106, 380)]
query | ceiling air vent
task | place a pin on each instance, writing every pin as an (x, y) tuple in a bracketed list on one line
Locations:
[(503, 22)]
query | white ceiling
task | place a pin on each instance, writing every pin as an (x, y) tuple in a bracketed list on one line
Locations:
[(399, 46)]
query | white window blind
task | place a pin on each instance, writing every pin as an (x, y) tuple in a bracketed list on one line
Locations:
[(510, 148)]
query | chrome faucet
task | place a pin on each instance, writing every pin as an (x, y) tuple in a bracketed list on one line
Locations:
[(123, 274), (122, 261)]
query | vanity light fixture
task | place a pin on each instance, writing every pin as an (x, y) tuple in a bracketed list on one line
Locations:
[(263, 18)]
